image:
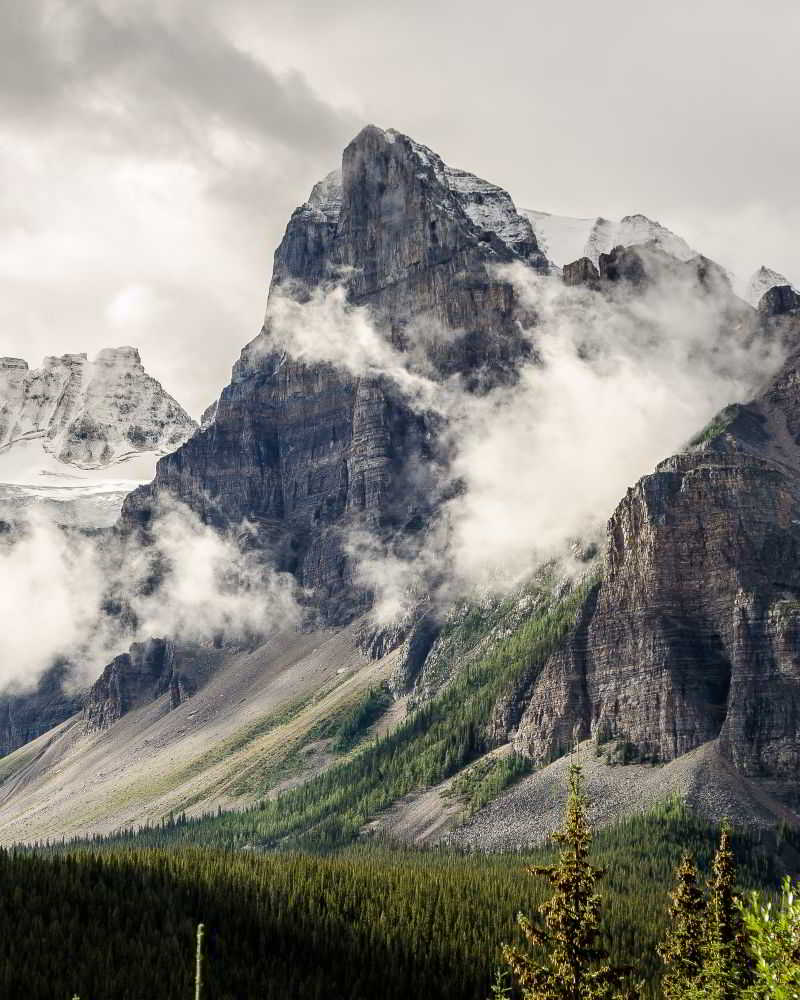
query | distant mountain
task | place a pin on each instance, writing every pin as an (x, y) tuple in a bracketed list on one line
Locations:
[(77, 435), (761, 282), (564, 239)]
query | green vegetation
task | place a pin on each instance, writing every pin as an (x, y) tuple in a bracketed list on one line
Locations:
[(357, 720), (564, 957), (483, 781), (682, 950), (720, 423), (432, 744), (773, 933), (115, 923)]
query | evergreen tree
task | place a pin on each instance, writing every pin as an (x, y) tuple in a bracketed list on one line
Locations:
[(724, 972), (574, 964), (682, 949)]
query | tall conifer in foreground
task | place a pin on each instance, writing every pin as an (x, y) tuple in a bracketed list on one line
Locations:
[(713, 966), (573, 963), (682, 951), (725, 969)]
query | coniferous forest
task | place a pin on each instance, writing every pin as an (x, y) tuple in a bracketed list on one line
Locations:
[(373, 920)]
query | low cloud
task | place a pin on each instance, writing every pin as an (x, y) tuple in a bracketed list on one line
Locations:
[(623, 382), (619, 383), (189, 582), (50, 591)]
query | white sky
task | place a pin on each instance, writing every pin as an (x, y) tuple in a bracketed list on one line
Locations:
[(151, 152)]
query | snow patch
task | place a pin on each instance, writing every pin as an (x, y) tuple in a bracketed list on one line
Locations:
[(761, 282), (564, 239)]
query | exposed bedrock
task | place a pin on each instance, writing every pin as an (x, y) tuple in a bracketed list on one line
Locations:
[(309, 453), (695, 631)]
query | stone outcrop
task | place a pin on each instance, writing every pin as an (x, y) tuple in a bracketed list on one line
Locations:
[(136, 678), (309, 453), (25, 716), (779, 300), (581, 272)]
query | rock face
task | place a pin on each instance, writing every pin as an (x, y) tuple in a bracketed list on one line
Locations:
[(761, 282), (308, 452), (694, 632), (135, 678), (23, 717), (89, 413), (780, 300)]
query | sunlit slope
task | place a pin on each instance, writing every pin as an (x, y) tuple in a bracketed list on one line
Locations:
[(264, 719)]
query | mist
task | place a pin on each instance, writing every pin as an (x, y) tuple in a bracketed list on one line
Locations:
[(189, 582), (617, 383)]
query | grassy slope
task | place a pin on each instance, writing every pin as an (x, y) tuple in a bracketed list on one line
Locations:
[(432, 744)]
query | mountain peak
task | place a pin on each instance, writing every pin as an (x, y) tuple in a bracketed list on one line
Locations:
[(89, 414), (565, 239), (760, 283)]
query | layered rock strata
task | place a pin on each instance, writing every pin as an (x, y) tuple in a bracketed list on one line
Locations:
[(310, 453)]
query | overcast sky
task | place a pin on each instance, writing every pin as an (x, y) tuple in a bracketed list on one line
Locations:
[(151, 151)]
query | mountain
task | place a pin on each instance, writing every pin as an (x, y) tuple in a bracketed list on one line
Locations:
[(761, 282), (692, 636), (564, 239), (77, 435), (674, 649), (309, 451)]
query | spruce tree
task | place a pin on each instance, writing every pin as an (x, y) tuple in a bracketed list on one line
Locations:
[(725, 967), (574, 964), (682, 950)]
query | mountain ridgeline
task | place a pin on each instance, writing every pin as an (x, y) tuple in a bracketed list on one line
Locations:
[(686, 631)]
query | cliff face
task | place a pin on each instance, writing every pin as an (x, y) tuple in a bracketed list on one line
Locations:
[(306, 451), (136, 678), (694, 633), (23, 717)]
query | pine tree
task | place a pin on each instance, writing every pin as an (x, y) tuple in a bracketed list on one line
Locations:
[(682, 949), (724, 972), (576, 966)]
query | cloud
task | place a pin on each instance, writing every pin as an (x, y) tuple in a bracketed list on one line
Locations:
[(623, 383), (620, 382), (50, 589), (189, 582), (143, 145), (123, 67)]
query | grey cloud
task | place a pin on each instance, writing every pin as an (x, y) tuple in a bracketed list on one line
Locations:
[(135, 68), (681, 112)]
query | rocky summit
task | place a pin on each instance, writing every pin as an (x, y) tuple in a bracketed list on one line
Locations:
[(306, 450)]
